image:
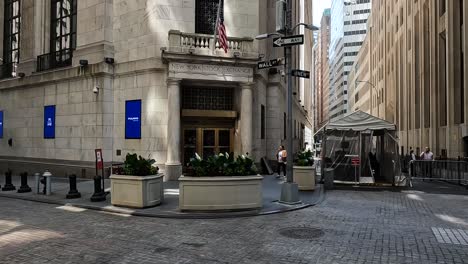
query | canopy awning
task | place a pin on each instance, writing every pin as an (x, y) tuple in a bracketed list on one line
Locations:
[(358, 121)]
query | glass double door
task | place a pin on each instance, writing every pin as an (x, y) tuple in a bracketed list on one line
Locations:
[(206, 142)]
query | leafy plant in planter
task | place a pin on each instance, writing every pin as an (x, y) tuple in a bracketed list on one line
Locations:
[(305, 158), (139, 166), (223, 165)]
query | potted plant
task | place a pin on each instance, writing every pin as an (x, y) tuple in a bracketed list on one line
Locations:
[(221, 182), (304, 172), (139, 186)]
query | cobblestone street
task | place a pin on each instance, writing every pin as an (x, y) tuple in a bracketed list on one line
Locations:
[(358, 227)]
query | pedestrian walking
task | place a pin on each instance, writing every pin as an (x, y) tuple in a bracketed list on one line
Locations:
[(412, 160), (427, 156), (281, 157)]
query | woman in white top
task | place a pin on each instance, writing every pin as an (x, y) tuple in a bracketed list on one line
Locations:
[(281, 157)]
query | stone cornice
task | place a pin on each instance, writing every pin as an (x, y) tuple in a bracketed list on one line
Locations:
[(57, 75), (205, 59)]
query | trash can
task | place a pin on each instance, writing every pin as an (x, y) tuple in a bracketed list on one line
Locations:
[(328, 178)]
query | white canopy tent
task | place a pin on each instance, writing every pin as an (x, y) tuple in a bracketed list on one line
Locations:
[(361, 148)]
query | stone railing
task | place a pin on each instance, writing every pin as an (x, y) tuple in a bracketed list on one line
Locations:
[(202, 44)]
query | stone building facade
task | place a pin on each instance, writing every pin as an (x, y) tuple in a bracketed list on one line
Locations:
[(418, 65), (348, 30), (89, 59), (360, 87)]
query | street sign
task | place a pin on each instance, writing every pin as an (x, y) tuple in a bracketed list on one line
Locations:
[(288, 41), (355, 161), (301, 74), (99, 161), (269, 64)]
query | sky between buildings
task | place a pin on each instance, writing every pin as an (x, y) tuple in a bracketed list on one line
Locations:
[(317, 7)]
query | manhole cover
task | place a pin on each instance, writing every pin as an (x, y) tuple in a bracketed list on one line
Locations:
[(301, 232)]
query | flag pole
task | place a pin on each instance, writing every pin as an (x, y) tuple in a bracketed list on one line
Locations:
[(216, 28)]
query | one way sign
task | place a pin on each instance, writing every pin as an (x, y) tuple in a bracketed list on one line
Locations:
[(301, 74), (288, 41)]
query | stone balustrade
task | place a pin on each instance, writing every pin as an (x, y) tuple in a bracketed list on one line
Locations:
[(203, 44)]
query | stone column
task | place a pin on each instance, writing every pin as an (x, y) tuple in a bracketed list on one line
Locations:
[(173, 166), (246, 117)]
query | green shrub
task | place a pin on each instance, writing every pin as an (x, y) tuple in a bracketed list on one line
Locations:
[(139, 166), (222, 165), (305, 158)]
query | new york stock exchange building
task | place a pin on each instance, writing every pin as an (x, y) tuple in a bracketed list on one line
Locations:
[(143, 77)]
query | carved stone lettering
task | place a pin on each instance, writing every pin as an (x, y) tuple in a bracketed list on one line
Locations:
[(210, 69)]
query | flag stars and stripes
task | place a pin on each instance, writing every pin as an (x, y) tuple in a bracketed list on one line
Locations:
[(222, 36)]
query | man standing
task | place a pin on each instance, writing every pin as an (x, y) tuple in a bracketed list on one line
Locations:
[(281, 157), (427, 157)]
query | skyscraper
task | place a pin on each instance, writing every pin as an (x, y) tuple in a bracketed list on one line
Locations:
[(348, 30)]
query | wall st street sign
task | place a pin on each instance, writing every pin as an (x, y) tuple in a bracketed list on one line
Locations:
[(269, 64), (288, 41), (300, 74)]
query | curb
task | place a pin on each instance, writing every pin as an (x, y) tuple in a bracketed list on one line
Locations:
[(173, 215)]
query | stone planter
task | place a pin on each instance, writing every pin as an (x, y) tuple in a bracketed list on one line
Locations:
[(220, 193), (304, 177), (137, 191)]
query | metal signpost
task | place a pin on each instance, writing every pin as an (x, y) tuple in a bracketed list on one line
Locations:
[(286, 39)]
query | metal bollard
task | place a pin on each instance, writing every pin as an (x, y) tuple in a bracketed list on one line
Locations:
[(8, 185), (73, 193), (99, 195), (24, 188), (46, 180), (37, 186)]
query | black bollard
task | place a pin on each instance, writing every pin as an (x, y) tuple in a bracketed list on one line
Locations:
[(99, 195), (24, 188), (8, 185), (73, 193)]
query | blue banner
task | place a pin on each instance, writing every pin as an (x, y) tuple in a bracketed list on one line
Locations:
[(49, 121), (1, 124), (133, 119)]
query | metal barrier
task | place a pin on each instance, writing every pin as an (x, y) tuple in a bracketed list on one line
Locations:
[(440, 170)]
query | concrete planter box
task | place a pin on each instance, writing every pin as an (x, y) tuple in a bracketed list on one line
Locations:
[(304, 177), (137, 191), (220, 193)]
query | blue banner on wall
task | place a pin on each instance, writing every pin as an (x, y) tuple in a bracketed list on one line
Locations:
[(133, 119), (49, 121), (1, 124)]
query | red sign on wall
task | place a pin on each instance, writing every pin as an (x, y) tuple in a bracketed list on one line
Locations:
[(99, 160)]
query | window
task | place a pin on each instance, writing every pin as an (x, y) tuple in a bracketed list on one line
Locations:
[(262, 124), (11, 38), (62, 36), (207, 98), (206, 13)]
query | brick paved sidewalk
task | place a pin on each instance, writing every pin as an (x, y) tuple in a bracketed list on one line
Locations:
[(169, 208), (358, 227)]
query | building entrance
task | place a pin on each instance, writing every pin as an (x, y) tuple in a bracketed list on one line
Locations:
[(206, 142)]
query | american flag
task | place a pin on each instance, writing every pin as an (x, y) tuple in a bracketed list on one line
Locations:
[(222, 35)]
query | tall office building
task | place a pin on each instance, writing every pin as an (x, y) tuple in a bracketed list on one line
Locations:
[(417, 54), (322, 72), (348, 30)]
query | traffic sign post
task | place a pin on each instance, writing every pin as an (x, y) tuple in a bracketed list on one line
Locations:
[(288, 41), (301, 74), (269, 64)]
